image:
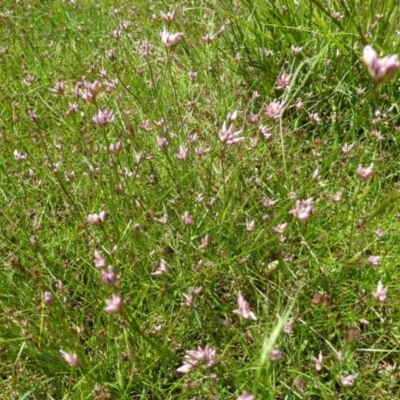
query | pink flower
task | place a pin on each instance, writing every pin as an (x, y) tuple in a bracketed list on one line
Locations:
[(204, 242), (302, 209), (380, 293), (246, 396), (379, 232), (194, 358), (283, 81), (381, 70), (171, 40), (250, 225), (97, 219), (103, 118), (288, 327), (114, 304), (183, 152), (365, 173), (374, 261), (274, 110), (162, 268), (99, 260), (319, 362), (71, 359), (187, 219), (48, 297), (162, 143), (244, 308), (275, 355), (228, 136), (168, 17), (348, 380), (109, 277)]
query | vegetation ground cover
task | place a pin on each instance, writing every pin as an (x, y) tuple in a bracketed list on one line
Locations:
[(199, 200)]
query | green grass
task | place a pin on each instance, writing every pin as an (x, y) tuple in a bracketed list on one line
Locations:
[(316, 273)]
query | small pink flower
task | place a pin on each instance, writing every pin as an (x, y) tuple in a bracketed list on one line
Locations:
[(246, 396), (348, 380), (381, 70), (97, 219), (114, 305), (103, 118), (250, 225), (337, 196), (48, 297), (228, 136), (274, 110), (283, 81), (183, 152), (319, 362), (171, 40), (296, 50), (288, 327), (187, 219), (162, 143), (374, 261), (275, 355), (109, 277), (379, 232), (20, 157), (162, 268), (280, 228), (365, 173), (380, 293), (99, 260), (314, 118), (188, 300), (197, 357), (204, 242), (71, 359), (244, 308), (168, 17), (302, 209)]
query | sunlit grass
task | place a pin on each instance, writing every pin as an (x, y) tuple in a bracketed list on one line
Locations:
[(206, 214)]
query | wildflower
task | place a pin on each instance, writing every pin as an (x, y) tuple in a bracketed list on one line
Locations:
[(288, 327), (20, 157), (188, 300), (244, 308), (114, 304), (71, 359), (374, 261), (109, 277), (115, 148), (347, 147), (302, 209), (204, 242), (266, 202), (72, 109), (168, 17), (280, 228), (228, 136), (99, 260), (48, 297), (197, 357), (348, 380), (337, 196), (275, 355), (381, 70), (187, 219), (379, 232), (171, 40), (250, 225), (162, 143), (103, 118), (319, 362), (380, 293), (97, 219), (296, 50), (365, 173), (183, 152), (246, 396), (314, 118), (283, 81), (58, 88), (274, 110), (162, 268)]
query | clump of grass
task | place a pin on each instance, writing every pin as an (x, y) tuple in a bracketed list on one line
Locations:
[(199, 201)]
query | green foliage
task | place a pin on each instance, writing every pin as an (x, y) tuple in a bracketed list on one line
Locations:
[(315, 273)]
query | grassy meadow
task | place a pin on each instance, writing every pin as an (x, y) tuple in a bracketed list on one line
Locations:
[(199, 199)]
